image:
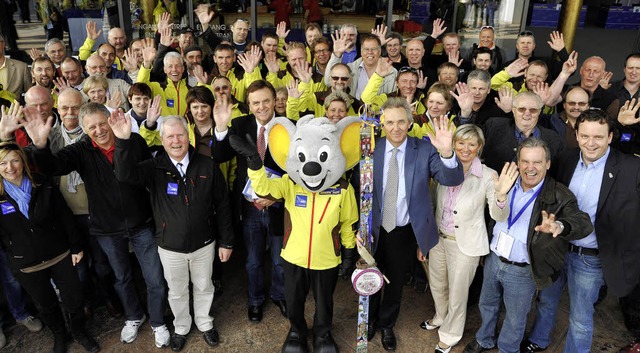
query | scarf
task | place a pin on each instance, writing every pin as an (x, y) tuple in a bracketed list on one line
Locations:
[(73, 179), (21, 194)]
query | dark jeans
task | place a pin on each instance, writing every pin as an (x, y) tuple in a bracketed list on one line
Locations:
[(117, 250), (322, 284), (38, 285), (393, 256), (256, 234), (12, 290)]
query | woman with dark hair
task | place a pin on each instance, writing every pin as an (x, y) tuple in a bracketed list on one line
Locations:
[(38, 235), (139, 97)]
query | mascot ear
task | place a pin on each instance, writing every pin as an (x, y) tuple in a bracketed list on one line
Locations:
[(280, 131), (350, 140)]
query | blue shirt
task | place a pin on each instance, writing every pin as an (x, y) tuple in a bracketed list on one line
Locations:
[(402, 209), (521, 137), (585, 184), (520, 229), (349, 56)]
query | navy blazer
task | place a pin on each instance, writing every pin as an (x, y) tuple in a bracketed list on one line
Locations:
[(617, 216), (421, 162)]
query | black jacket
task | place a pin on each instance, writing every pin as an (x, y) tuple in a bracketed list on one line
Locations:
[(617, 216), (243, 126), (501, 142), (188, 213), (115, 208), (48, 232), (546, 253)]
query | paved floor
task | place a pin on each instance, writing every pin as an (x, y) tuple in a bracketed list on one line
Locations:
[(239, 335)]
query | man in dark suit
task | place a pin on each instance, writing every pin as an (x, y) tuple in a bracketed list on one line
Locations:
[(263, 221), (606, 184), (403, 169), (504, 135)]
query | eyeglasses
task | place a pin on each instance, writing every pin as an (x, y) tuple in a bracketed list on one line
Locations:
[(407, 69), (65, 108), (340, 78), (370, 50), (525, 34), (579, 104), (321, 51), (220, 88), (532, 111)]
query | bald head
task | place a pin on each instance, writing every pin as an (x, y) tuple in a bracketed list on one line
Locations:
[(117, 38), (39, 99), (96, 65), (591, 73), (415, 52)]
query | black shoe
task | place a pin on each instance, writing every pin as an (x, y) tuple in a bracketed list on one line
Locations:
[(211, 337), (59, 343), (529, 347), (325, 344), (113, 308), (255, 313), (388, 339), (282, 305), (177, 342), (295, 343), (421, 287), (86, 341), (371, 331), (474, 347)]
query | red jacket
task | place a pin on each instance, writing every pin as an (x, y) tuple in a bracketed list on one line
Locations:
[(283, 10)]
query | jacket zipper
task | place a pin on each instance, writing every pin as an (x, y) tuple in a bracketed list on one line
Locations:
[(325, 210), (313, 206)]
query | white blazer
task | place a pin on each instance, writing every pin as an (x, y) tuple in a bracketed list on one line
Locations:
[(468, 219)]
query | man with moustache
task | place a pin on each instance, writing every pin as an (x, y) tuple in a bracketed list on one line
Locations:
[(575, 101), (43, 70)]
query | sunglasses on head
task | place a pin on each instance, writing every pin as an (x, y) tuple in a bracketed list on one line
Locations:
[(525, 34), (407, 69), (487, 27)]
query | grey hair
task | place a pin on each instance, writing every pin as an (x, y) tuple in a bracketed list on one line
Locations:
[(337, 96), (172, 55), (467, 132), (171, 119), (349, 25), (72, 92), (51, 42), (479, 75), (91, 108), (533, 142), (395, 35), (398, 102), (527, 94)]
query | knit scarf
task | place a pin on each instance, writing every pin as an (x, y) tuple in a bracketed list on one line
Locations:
[(21, 194), (73, 179)]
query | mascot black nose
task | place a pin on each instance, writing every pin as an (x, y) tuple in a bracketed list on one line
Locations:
[(312, 168)]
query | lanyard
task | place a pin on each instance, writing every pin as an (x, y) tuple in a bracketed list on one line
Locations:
[(510, 221)]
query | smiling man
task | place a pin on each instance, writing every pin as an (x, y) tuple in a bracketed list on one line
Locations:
[(174, 89), (262, 221), (517, 265), (504, 135)]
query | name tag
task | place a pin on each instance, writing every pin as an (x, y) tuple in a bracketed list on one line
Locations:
[(114, 66), (331, 191), (625, 137), (504, 244), (172, 189), (170, 103), (301, 201), (7, 208)]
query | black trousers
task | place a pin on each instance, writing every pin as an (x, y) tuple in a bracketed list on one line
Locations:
[(630, 306), (297, 281), (394, 256), (38, 285)]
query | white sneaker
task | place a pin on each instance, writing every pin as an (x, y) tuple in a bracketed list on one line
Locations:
[(130, 330), (3, 339), (162, 336), (31, 323)]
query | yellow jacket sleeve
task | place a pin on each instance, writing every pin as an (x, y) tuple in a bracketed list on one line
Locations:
[(348, 217), (501, 79), (263, 186), (370, 94), (144, 75), (151, 137), (85, 50)]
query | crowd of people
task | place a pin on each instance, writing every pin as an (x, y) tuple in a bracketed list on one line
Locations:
[(151, 146)]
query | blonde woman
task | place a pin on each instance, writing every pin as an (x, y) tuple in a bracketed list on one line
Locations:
[(463, 234)]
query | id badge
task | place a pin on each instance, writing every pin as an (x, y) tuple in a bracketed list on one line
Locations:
[(172, 189), (170, 103), (7, 208), (504, 244)]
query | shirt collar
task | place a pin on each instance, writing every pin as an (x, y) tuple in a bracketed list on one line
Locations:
[(184, 160), (600, 162), (401, 148), (518, 187), (476, 168)]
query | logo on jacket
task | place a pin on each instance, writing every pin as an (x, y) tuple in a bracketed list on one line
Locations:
[(301, 201)]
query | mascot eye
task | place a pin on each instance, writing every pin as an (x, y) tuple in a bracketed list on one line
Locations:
[(323, 153), (301, 154)]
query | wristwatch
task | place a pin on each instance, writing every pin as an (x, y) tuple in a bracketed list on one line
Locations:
[(561, 225)]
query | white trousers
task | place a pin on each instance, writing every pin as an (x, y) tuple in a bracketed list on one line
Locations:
[(178, 269)]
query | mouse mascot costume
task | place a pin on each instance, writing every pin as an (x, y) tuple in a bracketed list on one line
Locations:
[(320, 214)]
